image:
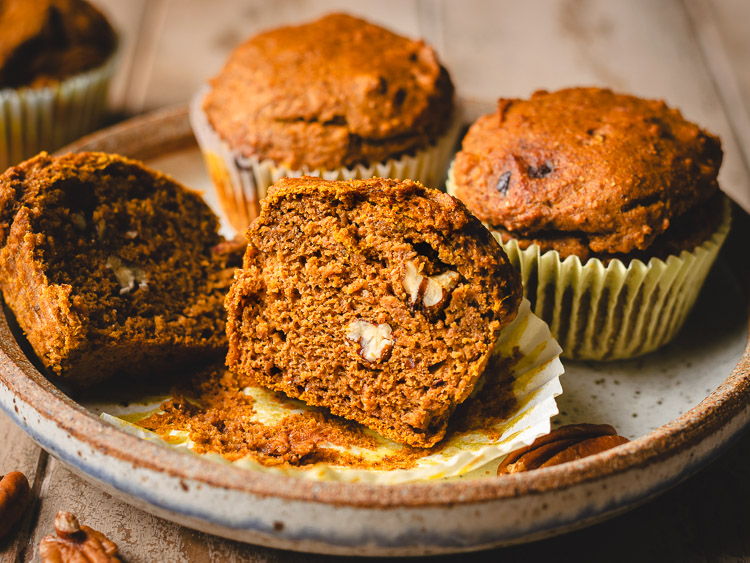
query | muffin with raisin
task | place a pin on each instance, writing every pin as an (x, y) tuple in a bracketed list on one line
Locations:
[(608, 203)]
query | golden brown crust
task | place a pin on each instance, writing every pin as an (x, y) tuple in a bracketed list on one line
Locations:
[(325, 257), (110, 267), (686, 232), (585, 169), (44, 41), (335, 92)]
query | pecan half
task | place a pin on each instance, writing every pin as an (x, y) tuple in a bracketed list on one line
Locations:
[(14, 496), (567, 443), (76, 543)]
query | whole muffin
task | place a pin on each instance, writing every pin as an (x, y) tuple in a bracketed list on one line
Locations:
[(56, 61), (338, 97), (598, 196), (381, 300), (46, 41)]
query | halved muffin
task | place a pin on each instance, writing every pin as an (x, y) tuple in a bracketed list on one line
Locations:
[(110, 267), (379, 299)]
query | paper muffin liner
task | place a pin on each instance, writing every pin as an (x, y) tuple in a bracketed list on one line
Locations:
[(535, 383), (612, 312), (49, 117), (242, 182)]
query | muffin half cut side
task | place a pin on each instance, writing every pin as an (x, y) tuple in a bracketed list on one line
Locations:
[(379, 299), (109, 267)]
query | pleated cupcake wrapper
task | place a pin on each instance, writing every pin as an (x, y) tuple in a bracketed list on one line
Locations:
[(535, 382), (242, 182), (611, 312), (49, 117)]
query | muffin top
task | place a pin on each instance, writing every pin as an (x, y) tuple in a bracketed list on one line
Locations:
[(585, 170), (46, 41), (336, 92)]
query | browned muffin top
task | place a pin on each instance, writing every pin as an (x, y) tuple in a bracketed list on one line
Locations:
[(44, 41), (335, 92), (586, 170)]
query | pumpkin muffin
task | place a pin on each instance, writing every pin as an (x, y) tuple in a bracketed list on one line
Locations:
[(56, 61), (46, 41), (378, 299), (338, 97), (111, 268), (599, 177)]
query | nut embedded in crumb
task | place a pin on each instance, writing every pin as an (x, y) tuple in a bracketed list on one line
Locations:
[(76, 543), (78, 220), (127, 276), (375, 342), (432, 291)]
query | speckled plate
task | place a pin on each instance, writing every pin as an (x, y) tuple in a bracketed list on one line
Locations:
[(681, 407)]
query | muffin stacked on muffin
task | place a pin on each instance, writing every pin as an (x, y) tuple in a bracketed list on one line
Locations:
[(607, 203), (55, 67), (339, 97), (379, 299), (111, 268)]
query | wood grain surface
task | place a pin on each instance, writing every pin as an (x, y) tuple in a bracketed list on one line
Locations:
[(693, 53)]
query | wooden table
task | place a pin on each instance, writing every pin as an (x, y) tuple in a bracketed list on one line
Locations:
[(693, 53)]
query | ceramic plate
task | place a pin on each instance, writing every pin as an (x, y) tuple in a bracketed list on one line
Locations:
[(681, 407)]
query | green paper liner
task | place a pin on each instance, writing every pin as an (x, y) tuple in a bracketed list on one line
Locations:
[(612, 312), (49, 117), (242, 182)]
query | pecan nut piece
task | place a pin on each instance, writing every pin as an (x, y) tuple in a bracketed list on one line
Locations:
[(430, 293), (76, 543), (375, 341), (567, 443), (14, 496)]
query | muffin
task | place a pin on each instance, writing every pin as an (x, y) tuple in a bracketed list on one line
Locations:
[(378, 299), (56, 61), (339, 98), (111, 268), (607, 203)]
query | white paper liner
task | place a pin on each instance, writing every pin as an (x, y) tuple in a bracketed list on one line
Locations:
[(49, 117), (613, 312), (242, 182), (536, 383)]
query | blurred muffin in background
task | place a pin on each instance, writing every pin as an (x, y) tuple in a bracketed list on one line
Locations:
[(339, 98), (56, 62)]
